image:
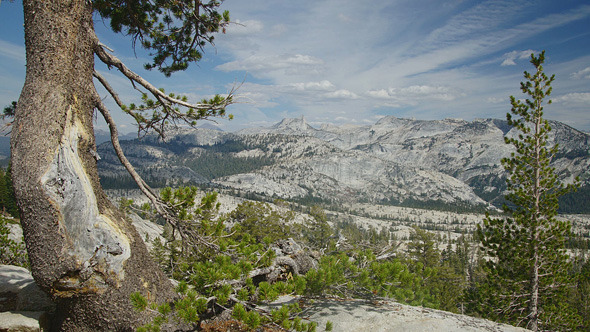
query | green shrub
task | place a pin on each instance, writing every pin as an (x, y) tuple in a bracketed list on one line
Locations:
[(11, 251)]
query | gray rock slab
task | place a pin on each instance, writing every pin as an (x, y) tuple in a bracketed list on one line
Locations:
[(19, 292), (23, 321), (382, 316), (146, 229)]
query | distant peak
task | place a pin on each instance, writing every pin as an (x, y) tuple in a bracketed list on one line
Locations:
[(300, 119), (390, 119), (208, 125), (293, 125)]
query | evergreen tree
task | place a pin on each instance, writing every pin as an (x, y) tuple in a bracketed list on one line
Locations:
[(9, 111), (581, 299), (527, 281), (441, 274), (260, 221), (7, 200), (318, 232), (423, 248), (92, 274)]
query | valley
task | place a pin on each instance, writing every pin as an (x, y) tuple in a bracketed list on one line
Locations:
[(451, 165)]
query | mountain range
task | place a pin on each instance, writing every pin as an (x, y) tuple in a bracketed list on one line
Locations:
[(447, 163)]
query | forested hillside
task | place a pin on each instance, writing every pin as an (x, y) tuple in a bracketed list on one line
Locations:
[(446, 164)]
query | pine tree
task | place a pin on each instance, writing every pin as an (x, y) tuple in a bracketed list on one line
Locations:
[(7, 200), (91, 274), (527, 281)]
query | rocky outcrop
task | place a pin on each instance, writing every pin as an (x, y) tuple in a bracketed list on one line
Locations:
[(18, 291), (23, 306), (23, 321), (383, 316), (148, 230), (349, 176), (453, 162)]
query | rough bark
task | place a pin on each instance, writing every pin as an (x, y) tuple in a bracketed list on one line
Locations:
[(82, 251)]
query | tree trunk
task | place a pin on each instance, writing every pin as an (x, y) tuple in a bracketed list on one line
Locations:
[(82, 250), (534, 277)]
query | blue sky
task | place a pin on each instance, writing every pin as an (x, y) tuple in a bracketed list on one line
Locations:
[(353, 62)]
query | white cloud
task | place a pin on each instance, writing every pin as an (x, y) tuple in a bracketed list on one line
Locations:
[(495, 100), (278, 30), (582, 98), (299, 59), (258, 95), (582, 74), (262, 65), (381, 94), (324, 85), (12, 51), (244, 28), (475, 22), (413, 94), (416, 62), (511, 57), (342, 94)]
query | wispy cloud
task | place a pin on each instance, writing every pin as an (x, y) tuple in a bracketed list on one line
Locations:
[(341, 94), (581, 98), (12, 71), (239, 28), (495, 100), (287, 64), (474, 23), (12, 51), (324, 85), (414, 94), (345, 61), (582, 74), (511, 57)]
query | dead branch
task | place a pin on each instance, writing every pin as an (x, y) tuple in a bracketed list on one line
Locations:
[(189, 235)]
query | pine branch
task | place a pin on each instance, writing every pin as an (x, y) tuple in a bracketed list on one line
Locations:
[(169, 104), (189, 236)]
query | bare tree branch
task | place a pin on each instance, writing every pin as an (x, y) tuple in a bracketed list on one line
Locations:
[(112, 60), (189, 235)]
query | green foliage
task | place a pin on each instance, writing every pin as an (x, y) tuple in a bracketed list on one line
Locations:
[(439, 205), (442, 274), (221, 277), (239, 312), (252, 319), (576, 202), (7, 199), (11, 251), (190, 306), (125, 204), (362, 275), (174, 32), (138, 301), (580, 298), (9, 111), (218, 265), (423, 275), (527, 281), (212, 161), (422, 248), (363, 238), (318, 232), (166, 109), (258, 220), (213, 165)]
